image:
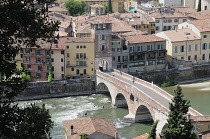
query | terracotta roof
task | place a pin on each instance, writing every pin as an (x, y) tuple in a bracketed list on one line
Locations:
[(173, 15), (57, 9), (181, 35), (149, 19), (201, 118), (184, 10), (100, 19), (202, 24), (138, 21), (64, 24), (144, 136), (97, 6), (78, 39), (92, 0), (200, 15), (84, 29), (61, 17), (206, 135), (61, 33), (133, 33), (143, 39), (89, 125)]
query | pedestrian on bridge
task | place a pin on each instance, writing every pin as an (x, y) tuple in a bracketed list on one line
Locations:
[(133, 79)]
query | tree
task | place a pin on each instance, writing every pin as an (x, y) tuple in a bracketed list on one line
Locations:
[(22, 24), (110, 6), (23, 75), (106, 7), (152, 133), (75, 8), (84, 136), (199, 6), (178, 126)]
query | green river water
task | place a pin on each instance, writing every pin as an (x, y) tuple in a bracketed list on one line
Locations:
[(75, 107)]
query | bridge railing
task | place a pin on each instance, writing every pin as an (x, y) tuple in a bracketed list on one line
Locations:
[(155, 87), (128, 87)]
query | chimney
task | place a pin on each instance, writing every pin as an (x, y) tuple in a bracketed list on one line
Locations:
[(71, 130)]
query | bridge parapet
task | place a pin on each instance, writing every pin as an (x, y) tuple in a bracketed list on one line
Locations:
[(158, 90), (130, 89)]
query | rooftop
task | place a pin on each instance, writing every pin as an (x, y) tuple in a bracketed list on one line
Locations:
[(202, 24), (181, 35), (79, 40), (96, 6), (144, 136), (167, 15), (89, 125)]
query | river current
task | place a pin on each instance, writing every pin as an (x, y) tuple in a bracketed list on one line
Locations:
[(99, 105)]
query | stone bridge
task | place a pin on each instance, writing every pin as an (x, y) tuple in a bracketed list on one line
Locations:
[(145, 101)]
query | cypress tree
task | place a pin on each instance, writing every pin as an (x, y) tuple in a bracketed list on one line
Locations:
[(199, 6), (178, 126), (152, 133), (110, 6)]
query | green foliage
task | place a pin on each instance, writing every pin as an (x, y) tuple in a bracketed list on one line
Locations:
[(75, 8), (106, 7), (168, 83), (152, 133), (84, 136), (32, 122), (178, 126), (199, 6), (24, 77), (22, 23), (50, 78), (110, 7)]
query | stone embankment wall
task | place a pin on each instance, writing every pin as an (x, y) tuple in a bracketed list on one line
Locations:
[(72, 87), (176, 75)]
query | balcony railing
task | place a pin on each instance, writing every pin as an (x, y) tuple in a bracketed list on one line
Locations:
[(32, 62), (71, 65)]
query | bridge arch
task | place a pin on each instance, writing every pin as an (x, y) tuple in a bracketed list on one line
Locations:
[(120, 101), (143, 114)]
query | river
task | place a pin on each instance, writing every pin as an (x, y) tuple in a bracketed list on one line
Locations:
[(75, 107)]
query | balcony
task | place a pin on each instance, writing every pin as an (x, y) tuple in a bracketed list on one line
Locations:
[(34, 63), (71, 65), (81, 58), (37, 55)]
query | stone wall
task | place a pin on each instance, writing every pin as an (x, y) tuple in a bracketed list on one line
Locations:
[(71, 87), (197, 72)]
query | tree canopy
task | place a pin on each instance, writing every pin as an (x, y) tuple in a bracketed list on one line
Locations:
[(75, 8), (178, 126), (152, 133), (22, 24)]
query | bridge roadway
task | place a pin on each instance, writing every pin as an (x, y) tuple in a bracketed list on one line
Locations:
[(149, 91)]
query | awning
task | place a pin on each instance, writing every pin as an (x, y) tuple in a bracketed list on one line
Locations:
[(133, 10)]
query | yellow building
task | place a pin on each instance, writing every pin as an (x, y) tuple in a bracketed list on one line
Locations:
[(183, 44), (130, 4), (118, 6), (19, 59), (80, 57)]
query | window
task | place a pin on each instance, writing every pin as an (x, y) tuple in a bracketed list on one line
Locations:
[(27, 50), (27, 58), (68, 55), (118, 59), (52, 68), (169, 20), (62, 75), (157, 21), (102, 48), (38, 76), (195, 57), (203, 56), (176, 20), (67, 47), (124, 66), (204, 36), (119, 42), (51, 52), (157, 28), (84, 46), (182, 48), (118, 49), (29, 66), (146, 26), (77, 71), (182, 57), (139, 48), (84, 71), (62, 52), (184, 20), (21, 55), (204, 46), (80, 63), (161, 61), (81, 46), (209, 126), (160, 46), (61, 59), (196, 47), (164, 21), (131, 49), (68, 63), (62, 69), (72, 69), (113, 49), (77, 46), (52, 59), (151, 62), (189, 57), (113, 58), (103, 37), (189, 48), (149, 47), (118, 66), (209, 45), (37, 52)]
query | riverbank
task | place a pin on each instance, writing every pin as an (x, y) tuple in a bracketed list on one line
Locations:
[(47, 96)]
